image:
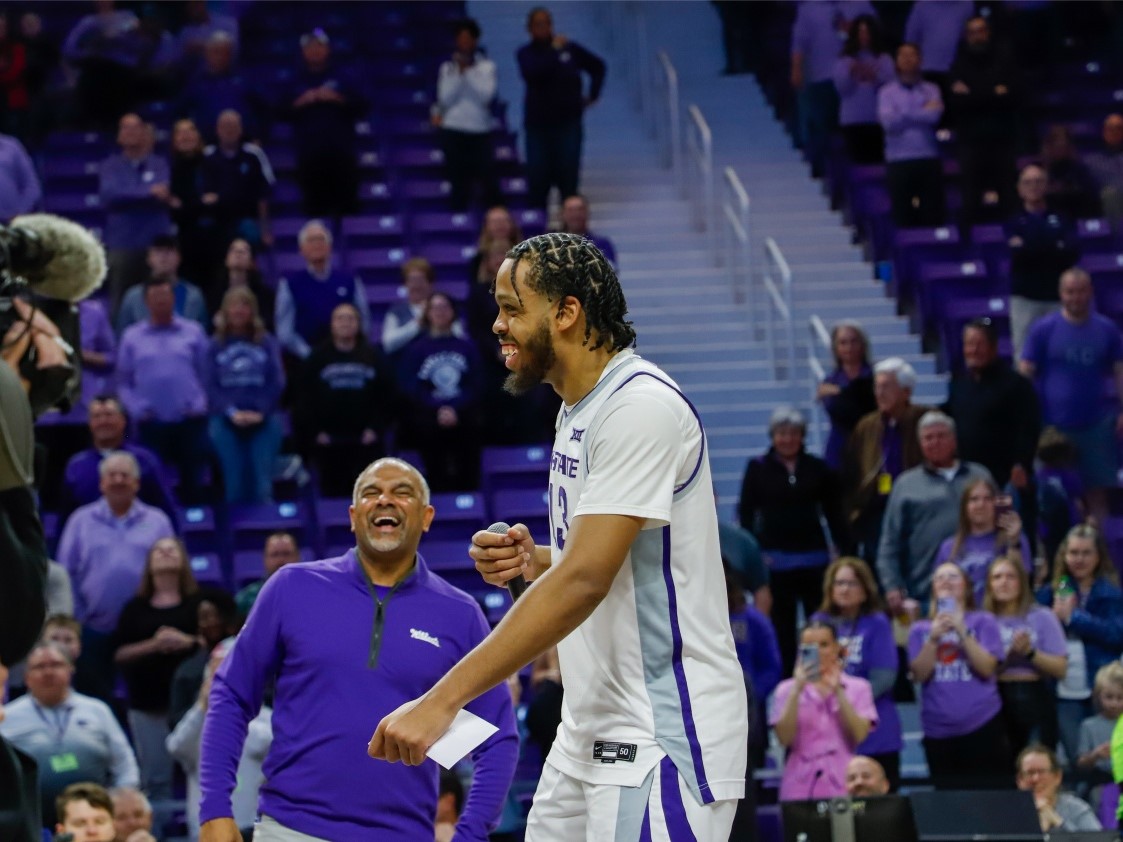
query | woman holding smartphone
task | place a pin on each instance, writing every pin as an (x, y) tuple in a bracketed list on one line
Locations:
[(988, 528), (1036, 656), (1085, 597), (955, 655), (820, 715), (852, 605)]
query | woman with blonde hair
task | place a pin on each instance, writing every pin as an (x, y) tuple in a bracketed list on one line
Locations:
[(1085, 597), (1036, 655), (244, 384)]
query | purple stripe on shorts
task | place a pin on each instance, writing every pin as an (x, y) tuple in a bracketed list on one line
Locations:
[(645, 830), (674, 811), (680, 674)]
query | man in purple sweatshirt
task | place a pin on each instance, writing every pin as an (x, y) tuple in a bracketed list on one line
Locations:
[(161, 371), (133, 186), (348, 640)]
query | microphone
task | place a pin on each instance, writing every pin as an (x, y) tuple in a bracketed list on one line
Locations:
[(814, 782), (517, 586), (56, 257)]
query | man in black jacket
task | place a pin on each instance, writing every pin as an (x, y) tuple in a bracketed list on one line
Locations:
[(997, 416), (983, 106)]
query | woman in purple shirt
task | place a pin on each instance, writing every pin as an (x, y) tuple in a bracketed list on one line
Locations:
[(847, 392), (1036, 656), (954, 655), (820, 715), (851, 605), (988, 528), (863, 67), (244, 383)]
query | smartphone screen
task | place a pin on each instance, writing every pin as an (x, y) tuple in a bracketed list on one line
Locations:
[(809, 659), (1003, 503), (946, 605)]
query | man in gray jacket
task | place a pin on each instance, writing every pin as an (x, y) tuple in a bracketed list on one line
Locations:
[(923, 510)]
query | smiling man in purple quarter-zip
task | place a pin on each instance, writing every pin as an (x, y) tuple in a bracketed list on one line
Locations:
[(350, 639)]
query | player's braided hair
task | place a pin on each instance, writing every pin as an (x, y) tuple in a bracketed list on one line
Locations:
[(569, 264)]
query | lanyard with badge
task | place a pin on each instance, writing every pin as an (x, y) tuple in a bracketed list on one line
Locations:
[(62, 761)]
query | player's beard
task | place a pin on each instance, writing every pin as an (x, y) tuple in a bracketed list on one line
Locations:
[(536, 358)]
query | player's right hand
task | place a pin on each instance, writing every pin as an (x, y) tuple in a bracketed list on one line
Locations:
[(220, 830), (500, 558)]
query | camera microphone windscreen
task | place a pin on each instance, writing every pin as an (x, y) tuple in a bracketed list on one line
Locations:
[(58, 258), (517, 586)]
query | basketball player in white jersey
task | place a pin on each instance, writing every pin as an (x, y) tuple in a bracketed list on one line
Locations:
[(629, 584)]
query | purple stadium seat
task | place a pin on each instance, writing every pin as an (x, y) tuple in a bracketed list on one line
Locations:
[(286, 198), (447, 553), (248, 567), (513, 188), (283, 160), (404, 99), (423, 158), (200, 532), (285, 232), (988, 244), (1106, 269), (333, 521), (373, 166), (514, 466), (532, 221), (379, 265), (207, 569), (939, 283), (443, 227), (955, 314), (915, 246), (73, 204), (286, 262), (406, 127), (459, 514), (368, 231), (66, 174), (251, 523), (524, 505), (449, 258), (1109, 301), (456, 290), (376, 197), (1095, 236)]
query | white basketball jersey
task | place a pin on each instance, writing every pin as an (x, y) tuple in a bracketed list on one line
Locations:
[(653, 670)]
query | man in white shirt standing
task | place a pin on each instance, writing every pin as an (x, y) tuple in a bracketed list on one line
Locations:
[(466, 87), (630, 586)]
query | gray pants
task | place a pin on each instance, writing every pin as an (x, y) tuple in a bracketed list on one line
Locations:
[(270, 830), (1023, 313), (150, 730)]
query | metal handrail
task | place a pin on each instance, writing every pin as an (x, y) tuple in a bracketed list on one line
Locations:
[(820, 338), (700, 172), (736, 253), (668, 130), (777, 282)]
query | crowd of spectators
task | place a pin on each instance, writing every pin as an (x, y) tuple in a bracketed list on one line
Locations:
[(211, 352), (955, 550)]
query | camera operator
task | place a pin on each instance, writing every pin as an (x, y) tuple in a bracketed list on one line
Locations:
[(23, 575), (61, 260)]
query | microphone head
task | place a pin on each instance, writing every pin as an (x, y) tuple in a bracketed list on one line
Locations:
[(76, 264), (499, 527)]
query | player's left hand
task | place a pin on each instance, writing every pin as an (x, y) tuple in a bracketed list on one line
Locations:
[(406, 734)]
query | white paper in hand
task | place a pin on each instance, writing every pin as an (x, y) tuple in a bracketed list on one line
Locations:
[(466, 732)]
